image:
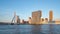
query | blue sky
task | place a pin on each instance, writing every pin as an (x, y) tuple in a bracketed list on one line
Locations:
[(24, 8)]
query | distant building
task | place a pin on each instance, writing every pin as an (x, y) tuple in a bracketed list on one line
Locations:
[(23, 21), (18, 19), (36, 17), (50, 16), (42, 19), (57, 21), (26, 22), (46, 19), (30, 20)]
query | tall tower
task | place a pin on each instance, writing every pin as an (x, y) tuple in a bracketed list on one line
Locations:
[(50, 16), (36, 17)]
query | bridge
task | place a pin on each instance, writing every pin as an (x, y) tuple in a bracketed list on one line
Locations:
[(15, 19)]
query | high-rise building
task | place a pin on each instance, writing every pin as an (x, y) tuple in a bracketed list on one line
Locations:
[(36, 17), (50, 16), (18, 19), (30, 20)]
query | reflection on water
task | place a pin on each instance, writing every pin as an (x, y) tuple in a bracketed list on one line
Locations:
[(51, 29), (30, 29), (36, 29)]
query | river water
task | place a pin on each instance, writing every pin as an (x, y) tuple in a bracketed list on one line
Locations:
[(30, 29)]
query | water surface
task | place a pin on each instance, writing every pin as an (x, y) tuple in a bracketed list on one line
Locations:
[(30, 29)]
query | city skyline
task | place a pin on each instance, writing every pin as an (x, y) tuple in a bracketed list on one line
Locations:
[(24, 8)]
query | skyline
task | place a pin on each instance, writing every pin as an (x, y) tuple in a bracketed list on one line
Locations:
[(24, 8)]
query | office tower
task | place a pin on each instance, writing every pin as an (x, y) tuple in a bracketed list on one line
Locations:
[(36, 17), (50, 16), (30, 20), (18, 19)]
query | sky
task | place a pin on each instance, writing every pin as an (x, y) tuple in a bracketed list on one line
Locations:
[(24, 8)]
